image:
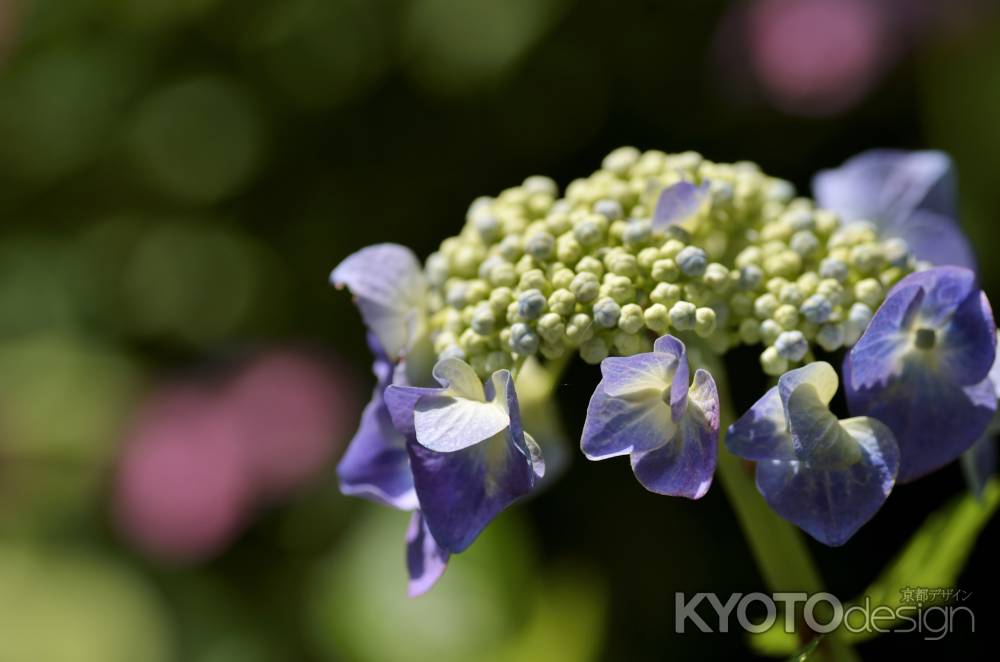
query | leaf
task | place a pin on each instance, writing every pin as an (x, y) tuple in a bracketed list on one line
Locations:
[(807, 651), (935, 555)]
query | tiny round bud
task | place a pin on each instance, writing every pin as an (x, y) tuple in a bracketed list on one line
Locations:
[(671, 248), (562, 302), (631, 318), (606, 313), (609, 209), (716, 276), (751, 276), (868, 292), (816, 309), (568, 250), (830, 337), (484, 319), (623, 264), (647, 257), (791, 294), (531, 304), (857, 321), (769, 331), (551, 328), (637, 232), (585, 287), (765, 305), (792, 345), (628, 344), (834, 268), (804, 243), (618, 288), (523, 340), (704, 322), (665, 271), (590, 231), (657, 318), (580, 329), (787, 316), (594, 350), (692, 261), (590, 264), (620, 160), (534, 279), (683, 315), (772, 363), (540, 184), (541, 246)]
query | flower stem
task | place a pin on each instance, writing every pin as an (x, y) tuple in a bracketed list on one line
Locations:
[(779, 548)]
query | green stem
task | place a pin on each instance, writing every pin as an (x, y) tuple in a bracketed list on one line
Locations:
[(779, 548)]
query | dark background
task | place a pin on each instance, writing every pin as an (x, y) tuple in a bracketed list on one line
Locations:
[(177, 179)]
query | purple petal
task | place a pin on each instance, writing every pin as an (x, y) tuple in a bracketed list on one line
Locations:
[(402, 402), (762, 433), (677, 203), (937, 239), (619, 426), (685, 465), (389, 286), (426, 561), (877, 356), (638, 374), (679, 387), (969, 343), (832, 503), (933, 419), (461, 492), (376, 465), (888, 186)]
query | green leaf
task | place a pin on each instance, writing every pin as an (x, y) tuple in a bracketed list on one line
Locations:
[(935, 555), (807, 650)]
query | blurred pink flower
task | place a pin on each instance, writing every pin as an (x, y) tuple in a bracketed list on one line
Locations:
[(819, 56), (293, 411), (183, 488), (199, 458)]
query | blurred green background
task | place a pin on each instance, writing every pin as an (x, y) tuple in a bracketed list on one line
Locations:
[(177, 379)]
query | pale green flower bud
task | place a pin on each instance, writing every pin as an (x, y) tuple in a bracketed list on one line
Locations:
[(580, 329), (500, 298), (665, 271), (765, 305), (609, 209), (623, 264), (831, 336), (594, 350), (523, 339), (671, 248), (791, 345), (772, 363), (769, 331), (666, 293), (833, 268), (804, 243), (621, 160), (657, 318), (562, 302), (807, 283), (631, 318), (637, 233), (786, 264), (591, 265), (503, 274), (484, 319), (628, 344), (465, 262), (791, 294), (867, 258), (591, 230), (647, 258), (585, 287), (561, 278), (551, 328), (534, 279), (476, 291), (716, 277), (704, 322), (452, 352), (787, 316), (751, 277), (857, 321), (552, 351), (831, 289), (568, 250), (540, 245), (683, 316), (540, 184), (497, 361), (511, 248), (868, 292), (618, 288), (437, 269), (749, 256)]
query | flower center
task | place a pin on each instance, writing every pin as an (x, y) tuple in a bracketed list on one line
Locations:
[(925, 339)]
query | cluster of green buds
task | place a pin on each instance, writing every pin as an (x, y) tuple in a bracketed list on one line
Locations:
[(533, 272)]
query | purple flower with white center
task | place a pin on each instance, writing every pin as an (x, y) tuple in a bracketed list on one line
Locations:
[(469, 455), (390, 290), (826, 476), (909, 195), (678, 202), (644, 408), (922, 367)]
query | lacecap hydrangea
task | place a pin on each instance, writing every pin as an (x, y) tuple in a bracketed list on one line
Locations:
[(652, 267)]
